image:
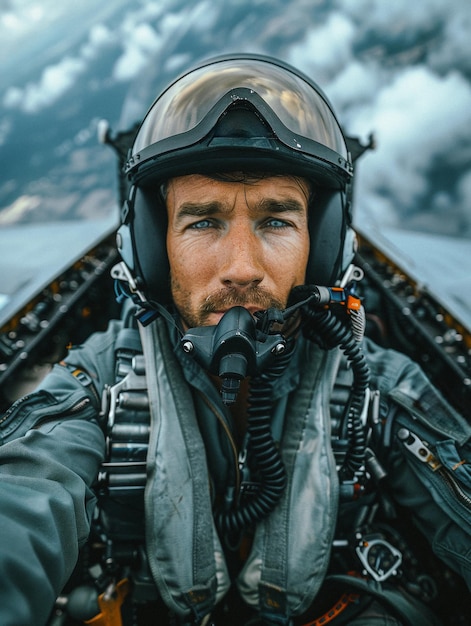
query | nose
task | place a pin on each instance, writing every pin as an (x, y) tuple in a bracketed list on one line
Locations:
[(241, 259)]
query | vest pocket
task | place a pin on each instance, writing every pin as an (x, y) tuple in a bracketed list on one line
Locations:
[(444, 471), (37, 408)]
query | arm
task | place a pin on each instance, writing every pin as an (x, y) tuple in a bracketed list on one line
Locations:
[(46, 505), (52, 450), (435, 487)]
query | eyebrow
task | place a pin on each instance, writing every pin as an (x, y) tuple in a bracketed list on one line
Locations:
[(288, 205), (193, 209), (267, 205)]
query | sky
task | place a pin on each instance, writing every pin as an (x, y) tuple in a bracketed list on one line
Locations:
[(398, 70)]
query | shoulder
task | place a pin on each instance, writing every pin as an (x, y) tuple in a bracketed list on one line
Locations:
[(403, 385), (97, 355), (73, 388), (388, 367)]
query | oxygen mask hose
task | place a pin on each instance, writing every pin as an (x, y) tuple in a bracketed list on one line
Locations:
[(337, 333), (232, 369), (333, 316), (266, 458), (243, 345)]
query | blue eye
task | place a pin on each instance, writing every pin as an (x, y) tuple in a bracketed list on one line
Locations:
[(276, 223), (202, 224)]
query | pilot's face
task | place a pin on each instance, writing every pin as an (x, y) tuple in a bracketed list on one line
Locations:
[(235, 244)]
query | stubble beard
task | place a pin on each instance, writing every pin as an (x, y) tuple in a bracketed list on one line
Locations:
[(222, 300)]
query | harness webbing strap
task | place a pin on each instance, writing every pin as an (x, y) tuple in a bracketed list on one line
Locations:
[(291, 548), (126, 407), (182, 543)]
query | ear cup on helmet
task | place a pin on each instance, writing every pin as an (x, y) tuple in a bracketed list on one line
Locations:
[(125, 246), (148, 233), (327, 230)]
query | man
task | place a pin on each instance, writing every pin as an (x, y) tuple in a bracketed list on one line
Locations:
[(270, 495)]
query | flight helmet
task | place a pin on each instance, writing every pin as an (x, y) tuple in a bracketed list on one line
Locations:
[(240, 112)]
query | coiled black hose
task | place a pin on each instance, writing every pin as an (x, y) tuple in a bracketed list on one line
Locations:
[(265, 454), (334, 332), (323, 324)]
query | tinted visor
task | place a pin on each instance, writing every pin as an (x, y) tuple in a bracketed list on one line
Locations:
[(295, 109)]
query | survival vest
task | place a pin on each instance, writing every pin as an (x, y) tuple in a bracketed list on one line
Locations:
[(183, 549)]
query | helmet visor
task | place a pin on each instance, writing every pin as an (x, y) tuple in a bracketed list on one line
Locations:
[(300, 116)]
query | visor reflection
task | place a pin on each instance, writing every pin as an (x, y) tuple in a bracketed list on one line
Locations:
[(190, 99)]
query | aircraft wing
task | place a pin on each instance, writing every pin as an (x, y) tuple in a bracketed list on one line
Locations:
[(33, 255), (440, 264)]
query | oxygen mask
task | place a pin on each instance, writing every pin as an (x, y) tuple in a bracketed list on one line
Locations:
[(240, 345)]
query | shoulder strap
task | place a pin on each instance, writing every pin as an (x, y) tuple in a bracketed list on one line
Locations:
[(291, 549), (185, 556), (125, 410)]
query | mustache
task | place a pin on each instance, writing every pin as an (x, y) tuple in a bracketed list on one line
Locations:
[(228, 298)]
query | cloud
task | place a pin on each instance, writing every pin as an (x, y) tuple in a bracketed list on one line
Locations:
[(462, 207), (54, 82), (5, 130), (399, 69), (453, 49), (21, 207), (355, 87), (421, 121), (141, 41), (325, 49), (57, 78), (21, 18), (100, 36), (400, 18)]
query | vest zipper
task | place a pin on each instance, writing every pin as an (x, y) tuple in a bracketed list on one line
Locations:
[(75, 408), (453, 486), (420, 450), (15, 406)]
